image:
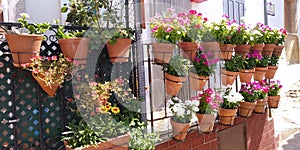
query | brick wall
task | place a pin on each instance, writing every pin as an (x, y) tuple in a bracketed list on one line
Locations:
[(259, 134)]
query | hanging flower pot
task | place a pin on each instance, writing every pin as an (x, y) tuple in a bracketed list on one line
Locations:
[(242, 49), (189, 48), (206, 122), (179, 130), (246, 75), (227, 116), (119, 51), (23, 47), (268, 50), (173, 84), (228, 77), (211, 47), (271, 72), (258, 47), (75, 48), (246, 108), (162, 52), (50, 90), (259, 73), (226, 51), (273, 101), (278, 50), (261, 105), (197, 82)]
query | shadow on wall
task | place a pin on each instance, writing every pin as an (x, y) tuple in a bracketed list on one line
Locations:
[(292, 144), (292, 49)]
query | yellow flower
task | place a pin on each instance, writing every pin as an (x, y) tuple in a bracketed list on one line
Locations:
[(115, 110), (107, 107), (103, 110)]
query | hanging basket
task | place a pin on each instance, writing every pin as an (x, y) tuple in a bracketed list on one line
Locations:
[(278, 50), (75, 48), (197, 82), (271, 72), (268, 50), (246, 75), (189, 48), (162, 52), (242, 49), (211, 48), (173, 84), (179, 130), (261, 105), (259, 73), (273, 101), (50, 90), (228, 77), (226, 51), (119, 51), (227, 116), (246, 108), (23, 47), (206, 122), (258, 47)]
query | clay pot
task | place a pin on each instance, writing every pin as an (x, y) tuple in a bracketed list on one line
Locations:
[(258, 47), (206, 122), (189, 48), (162, 52), (242, 49), (227, 116), (246, 108), (259, 73), (278, 50), (197, 82), (173, 84), (261, 105), (179, 130), (119, 51), (268, 50), (50, 90), (211, 47), (226, 51), (228, 77), (271, 72), (246, 75), (273, 101)]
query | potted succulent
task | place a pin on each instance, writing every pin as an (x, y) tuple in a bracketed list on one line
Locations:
[(274, 93), (250, 94), (166, 30), (281, 34), (209, 103), (231, 69), (248, 66), (175, 74), (182, 114), (229, 107), (203, 68), (242, 39), (24, 46), (262, 94), (261, 68), (258, 38), (272, 67), (50, 72)]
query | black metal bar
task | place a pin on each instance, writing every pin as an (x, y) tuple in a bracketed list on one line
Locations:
[(150, 93), (127, 13), (40, 108), (14, 105)]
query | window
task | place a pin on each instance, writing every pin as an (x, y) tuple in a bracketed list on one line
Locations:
[(235, 9)]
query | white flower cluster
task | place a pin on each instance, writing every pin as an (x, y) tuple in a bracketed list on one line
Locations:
[(181, 109), (234, 96)]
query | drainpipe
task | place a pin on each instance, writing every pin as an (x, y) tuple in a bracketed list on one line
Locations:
[(265, 12)]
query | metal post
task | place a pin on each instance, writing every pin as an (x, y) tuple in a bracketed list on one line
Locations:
[(265, 12)]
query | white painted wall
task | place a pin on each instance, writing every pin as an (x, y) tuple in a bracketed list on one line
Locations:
[(254, 12), (277, 20), (212, 9), (43, 10)]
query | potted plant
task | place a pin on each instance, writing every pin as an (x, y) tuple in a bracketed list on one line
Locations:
[(223, 33), (209, 103), (182, 114), (272, 67), (269, 40), (229, 107), (262, 99), (50, 72), (167, 32), (274, 93), (73, 44), (24, 46), (248, 66), (250, 94), (281, 34), (242, 39), (261, 68), (175, 74), (208, 41), (258, 38), (231, 69)]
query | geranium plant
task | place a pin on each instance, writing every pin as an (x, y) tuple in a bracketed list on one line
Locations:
[(209, 101), (120, 33), (274, 87), (206, 32), (178, 66), (234, 64), (183, 111), (203, 65), (242, 34), (231, 99), (251, 60), (257, 34), (263, 62), (224, 30), (269, 35), (273, 61), (253, 90), (262, 92), (280, 36)]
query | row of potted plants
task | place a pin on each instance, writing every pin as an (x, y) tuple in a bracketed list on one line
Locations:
[(253, 96)]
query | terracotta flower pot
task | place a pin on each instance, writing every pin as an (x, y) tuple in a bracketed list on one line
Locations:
[(189, 48), (226, 51), (173, 84), (268, 50), (162, 52), (119, 51), (197, 82), (259, 73), (246, 108), (273, 101), (211, 47), (261, 105), (242, 49), (227, 116), (23, 47), (75, 48), (50, 90), (179, 130), (246, 75), (228, 77), (278, 50), (206, 122), (271, 72), (258, 47)]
